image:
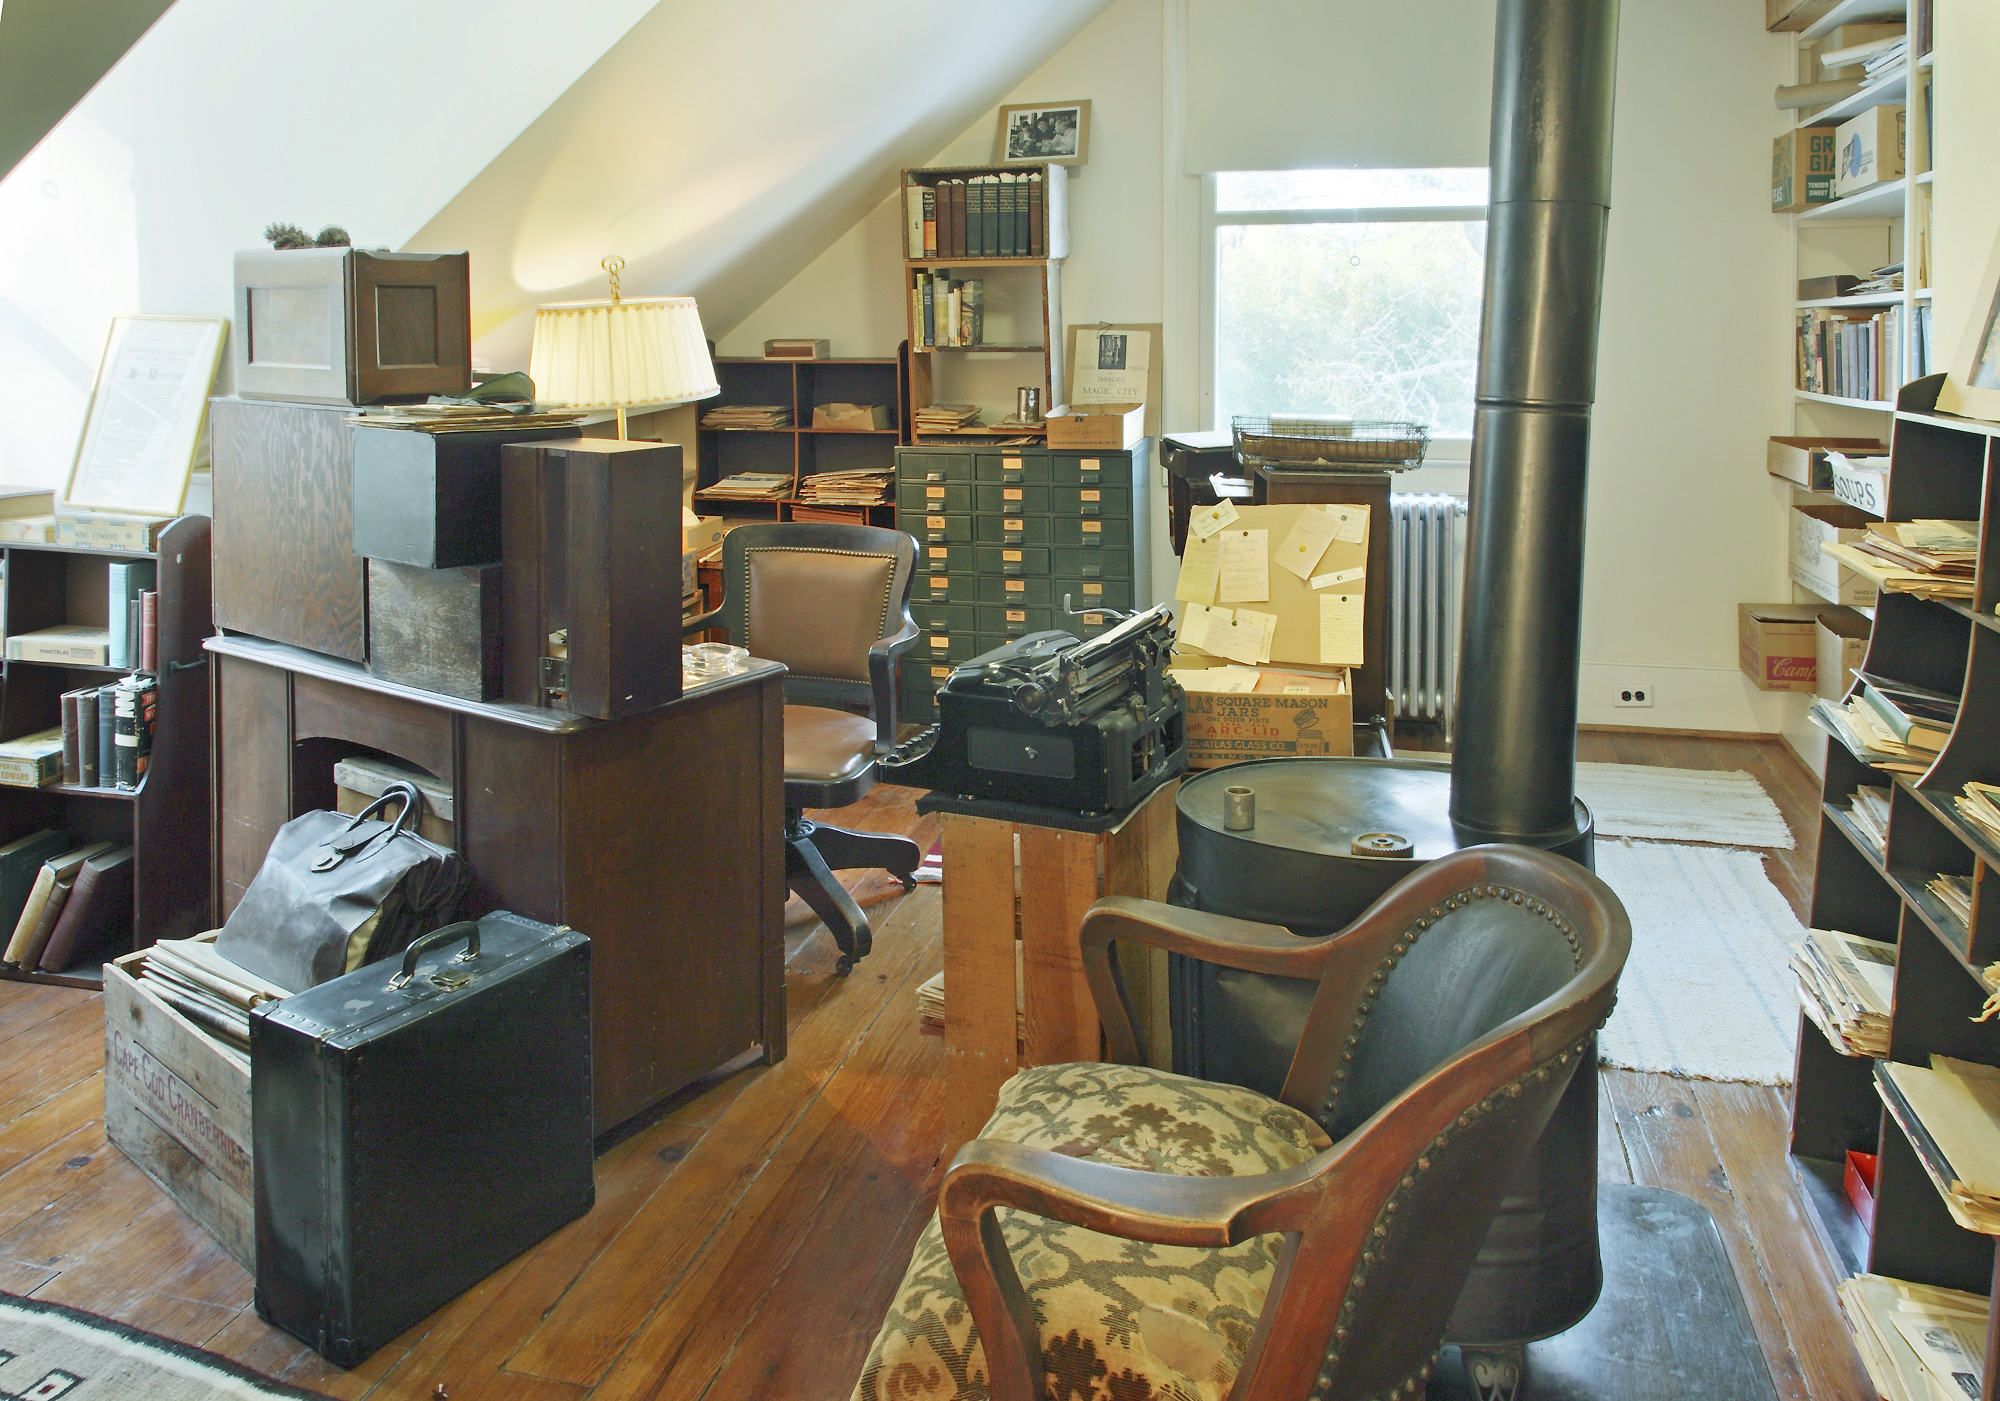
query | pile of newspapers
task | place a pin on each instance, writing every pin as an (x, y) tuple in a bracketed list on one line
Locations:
[(1918, 1343), (206, 988)]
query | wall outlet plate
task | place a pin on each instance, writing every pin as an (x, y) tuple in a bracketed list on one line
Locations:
[(1633, 693)]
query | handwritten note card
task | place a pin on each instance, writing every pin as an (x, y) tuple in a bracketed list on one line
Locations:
[(1339, 576), (1198, 569), (1307, 541), (1350, 524), (1243, 636), (1196, 622), (1340, 629), (1209, 519), (1246, 566), (1266, 625)]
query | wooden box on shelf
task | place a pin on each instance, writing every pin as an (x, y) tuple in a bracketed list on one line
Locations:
[(165, 819)]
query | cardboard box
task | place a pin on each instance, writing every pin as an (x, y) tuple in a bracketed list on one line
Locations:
[(1866, 489), (1775, 645), (1803, 460), (851, 418), (1802, 169), (1868, 150), (1110, 427), (1840, 641), (1287, 714), (1814, 571)]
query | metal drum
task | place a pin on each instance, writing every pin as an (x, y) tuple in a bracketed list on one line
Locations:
[(1297, 865)]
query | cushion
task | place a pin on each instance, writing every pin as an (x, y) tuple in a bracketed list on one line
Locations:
[(826, 746), (1119, 1319)]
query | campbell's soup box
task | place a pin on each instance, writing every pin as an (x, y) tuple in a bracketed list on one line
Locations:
[(1777, 644)]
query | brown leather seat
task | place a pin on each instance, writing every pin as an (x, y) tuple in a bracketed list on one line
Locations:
[(832, 602)]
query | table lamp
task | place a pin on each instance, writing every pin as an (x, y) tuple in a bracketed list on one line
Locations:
[(620, 353)]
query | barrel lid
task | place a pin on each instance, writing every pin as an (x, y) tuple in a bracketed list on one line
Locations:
[(1322, 804)]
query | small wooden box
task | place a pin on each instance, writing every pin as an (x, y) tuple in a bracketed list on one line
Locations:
[(351, 326), (435, 629), (590, 543), (178, 1104), (431, 499)]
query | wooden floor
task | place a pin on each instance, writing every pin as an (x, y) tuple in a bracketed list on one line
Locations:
[(747, 1236)]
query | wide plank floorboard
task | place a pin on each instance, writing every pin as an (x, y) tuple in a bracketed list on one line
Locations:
[(749, 1233)]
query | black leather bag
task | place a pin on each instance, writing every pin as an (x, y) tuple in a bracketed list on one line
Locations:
[(336, 892)]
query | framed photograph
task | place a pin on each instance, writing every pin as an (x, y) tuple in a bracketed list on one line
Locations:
[(1033, 133), (146, 414)]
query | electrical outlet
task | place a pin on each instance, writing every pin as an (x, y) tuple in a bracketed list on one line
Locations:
[(1633, 693)]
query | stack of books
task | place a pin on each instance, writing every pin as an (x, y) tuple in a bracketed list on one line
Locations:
[(868, 486), (106, 738), (458, 418), (748, 417), (1918, 1342), (212, 992), (63, 899), (1869, 807), (1950, 1112), (946, 312), (1979, 804), (750, 486), (1846, 985), (946, 418), (25, 516), (1931, 559)]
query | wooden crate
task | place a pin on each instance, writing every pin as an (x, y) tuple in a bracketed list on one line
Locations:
[(1060, 874), (178, 1105)]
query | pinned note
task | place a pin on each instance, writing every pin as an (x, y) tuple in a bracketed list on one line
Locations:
[(1196, 622), (1307, 541), (1340, 629), (1338, 577), (1242, 636), (1246, 566), (1198, 569), (1350, 524), (1209, 519)]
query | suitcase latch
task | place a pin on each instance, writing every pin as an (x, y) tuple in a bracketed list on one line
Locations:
[(448, 980)]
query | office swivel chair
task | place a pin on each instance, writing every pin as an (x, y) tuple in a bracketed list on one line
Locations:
[(832, 602)]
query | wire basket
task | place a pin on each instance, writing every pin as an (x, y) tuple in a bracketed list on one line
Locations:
[(1303, 442)]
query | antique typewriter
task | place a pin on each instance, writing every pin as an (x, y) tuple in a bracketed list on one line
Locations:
[(1053, 722)]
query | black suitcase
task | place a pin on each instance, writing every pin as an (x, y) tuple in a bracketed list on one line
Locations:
[(414, 1128)]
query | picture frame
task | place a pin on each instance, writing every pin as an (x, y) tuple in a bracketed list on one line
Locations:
[(148, 409), (1043, 133), (1972, 384)]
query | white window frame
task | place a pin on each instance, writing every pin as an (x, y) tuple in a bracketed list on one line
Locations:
[(1442, 449)]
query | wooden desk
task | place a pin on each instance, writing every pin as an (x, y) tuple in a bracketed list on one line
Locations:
[(1061, 874), (659, 836)]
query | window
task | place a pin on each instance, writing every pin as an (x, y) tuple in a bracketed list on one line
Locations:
[(1350, 292)]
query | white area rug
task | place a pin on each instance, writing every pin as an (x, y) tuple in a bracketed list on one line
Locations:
[(1707, 992), (48, 1351), (1729, 808)]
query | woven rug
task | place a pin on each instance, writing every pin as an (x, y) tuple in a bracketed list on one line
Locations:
[(1707, 992), (1727, 807), (48, 1351)]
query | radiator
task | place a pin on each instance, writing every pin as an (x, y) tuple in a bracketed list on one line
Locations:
[(1426, 579)]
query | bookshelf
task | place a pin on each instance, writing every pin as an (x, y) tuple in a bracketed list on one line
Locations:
[(1941, 467), (800, 450), (166, 817), (1020, 343)]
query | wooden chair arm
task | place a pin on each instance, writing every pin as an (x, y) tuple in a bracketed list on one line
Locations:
[(1234, 943)]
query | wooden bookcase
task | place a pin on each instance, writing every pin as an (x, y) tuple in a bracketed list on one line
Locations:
[(1023, 307), (1942, 468), (801, 450), (166, 817)]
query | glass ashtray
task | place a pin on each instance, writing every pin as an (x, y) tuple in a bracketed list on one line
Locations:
[(705, 661)]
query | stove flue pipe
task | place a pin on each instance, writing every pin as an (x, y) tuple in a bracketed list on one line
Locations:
[(1514, 765)]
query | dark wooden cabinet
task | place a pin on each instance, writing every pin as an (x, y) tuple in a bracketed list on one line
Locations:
[(166, 819), (658, 836), (801, 450)]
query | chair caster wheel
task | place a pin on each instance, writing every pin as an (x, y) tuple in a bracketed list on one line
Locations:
[(843, 967), (909, 883)]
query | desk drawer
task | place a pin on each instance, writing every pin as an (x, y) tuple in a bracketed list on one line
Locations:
[(1007, 559), (1110, 533), (1091, 564), (1087, 501), (991, 500), (939, 530), (1092, 593), (1000, 620), (944, 588), (933, 466), (952, 559), (935, 648), (942, 617), (1011, 530), (1018, 592), (927, 498), (1012, 470), (1068, 469)]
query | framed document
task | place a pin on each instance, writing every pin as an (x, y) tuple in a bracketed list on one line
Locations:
[(1972, 385), (146, 414)]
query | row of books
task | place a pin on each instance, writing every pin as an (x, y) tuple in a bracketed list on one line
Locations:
[(105, 739), (129, 639), (63, 899), (748, 416), (1950, 1112), (1847, 986), (984, 216), (1851, 354), (212, 992), (1932, 559), (867, 486), (947, 312), (1918, 1342)]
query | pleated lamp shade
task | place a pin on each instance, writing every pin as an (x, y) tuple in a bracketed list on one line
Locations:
[(619, 354)]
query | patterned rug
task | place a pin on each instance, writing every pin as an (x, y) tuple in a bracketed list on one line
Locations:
[(1707, 992), (1727, 807), (49, 1352)]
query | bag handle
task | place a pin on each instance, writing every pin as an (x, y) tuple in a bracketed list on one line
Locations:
[(418, 947), (405, 819), (343, 843)]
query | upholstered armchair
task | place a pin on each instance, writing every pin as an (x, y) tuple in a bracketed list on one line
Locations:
[(1121, 1232)]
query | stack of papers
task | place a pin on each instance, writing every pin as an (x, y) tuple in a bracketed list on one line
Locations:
[(748, 417), (1857, 726), (930, 1002), (196, 981), (1931, 559), (1951, 1115), (946, 418), (1846, 985), (1918, 1342), (750, 486), (1885, 62), (867, 487), (1955, 894), (458, 418), (1979, 804), (1869, 807)]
